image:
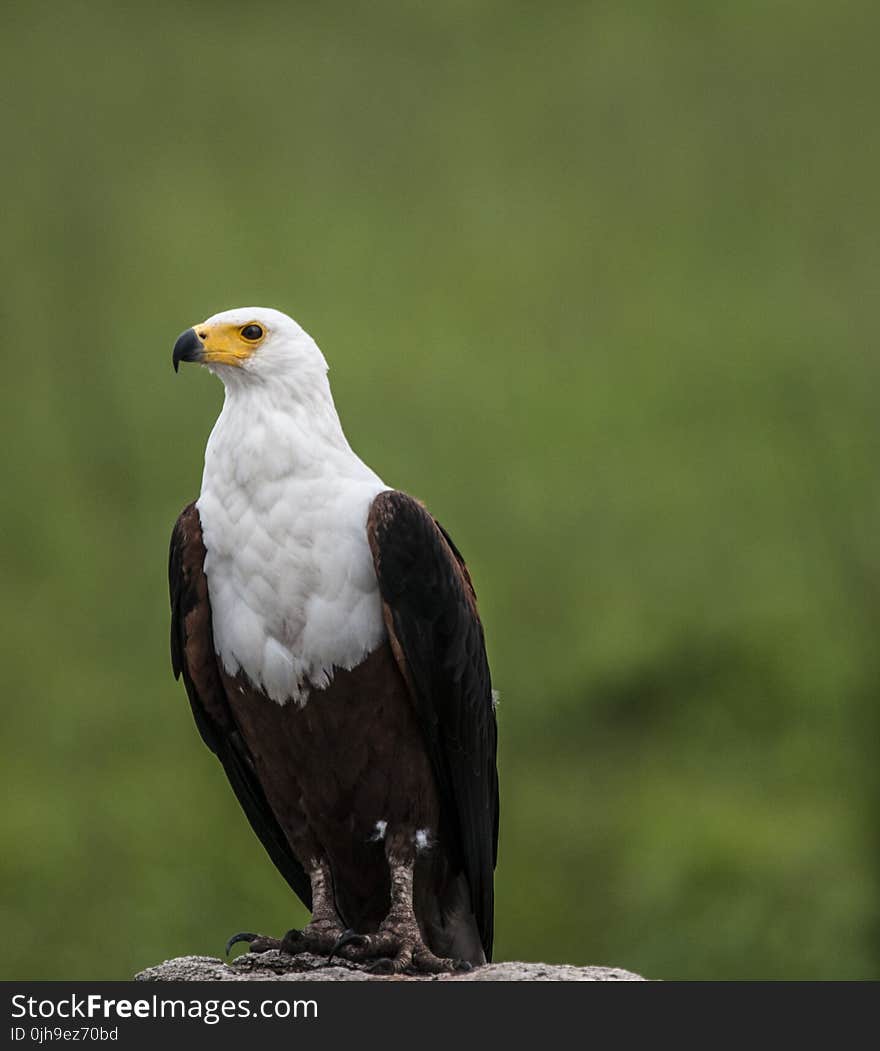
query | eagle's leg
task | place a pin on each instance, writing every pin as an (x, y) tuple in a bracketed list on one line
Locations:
[(398, 944), (320, 935)]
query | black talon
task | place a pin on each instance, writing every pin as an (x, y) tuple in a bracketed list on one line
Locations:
[(243, 936), (348, 937)]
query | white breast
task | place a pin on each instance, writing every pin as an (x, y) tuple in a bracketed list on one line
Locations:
[(290, 575)]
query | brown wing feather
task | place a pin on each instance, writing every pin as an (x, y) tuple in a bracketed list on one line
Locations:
[(437, 638), (193, 657)]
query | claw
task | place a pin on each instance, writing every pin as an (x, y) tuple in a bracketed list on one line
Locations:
[(242, 936), (348, 937)]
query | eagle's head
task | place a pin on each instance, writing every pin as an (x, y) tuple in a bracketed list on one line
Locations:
[(252, 344)]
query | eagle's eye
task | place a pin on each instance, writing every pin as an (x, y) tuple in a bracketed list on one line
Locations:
[(252, 332)]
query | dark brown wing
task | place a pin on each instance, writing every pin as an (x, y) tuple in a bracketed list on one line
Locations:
[(431, 615), (193, 657)]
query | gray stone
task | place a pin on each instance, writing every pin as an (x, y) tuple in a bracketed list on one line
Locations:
[(276, 966)]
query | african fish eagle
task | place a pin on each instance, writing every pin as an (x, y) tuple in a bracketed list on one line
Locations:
[(327, 632)]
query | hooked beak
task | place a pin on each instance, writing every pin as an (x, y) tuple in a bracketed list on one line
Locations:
[(187, 348)]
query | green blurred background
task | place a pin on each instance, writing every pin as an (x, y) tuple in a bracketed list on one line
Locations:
[(597, 281)]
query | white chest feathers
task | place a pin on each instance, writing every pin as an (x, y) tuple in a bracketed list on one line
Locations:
[(290, 574)]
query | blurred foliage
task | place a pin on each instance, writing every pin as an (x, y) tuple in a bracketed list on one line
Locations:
[(598, 282)]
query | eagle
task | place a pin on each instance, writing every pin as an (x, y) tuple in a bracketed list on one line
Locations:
[(326, 630)]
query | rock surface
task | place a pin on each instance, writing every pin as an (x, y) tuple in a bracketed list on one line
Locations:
[(276, 966)]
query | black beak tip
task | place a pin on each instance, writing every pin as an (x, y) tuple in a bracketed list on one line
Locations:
[(187, 348)]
